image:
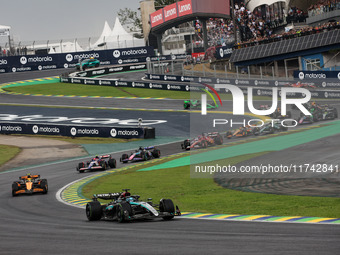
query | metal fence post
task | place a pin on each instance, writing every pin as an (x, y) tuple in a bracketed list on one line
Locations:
[(215, 71), (203, 70), (237, 72), (172, 67), (226, 71), (261, 72), (248, 72), (273, 72)]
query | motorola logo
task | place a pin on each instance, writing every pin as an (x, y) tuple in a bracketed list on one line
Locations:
[(113, 132), (116, 53), (23, 60)]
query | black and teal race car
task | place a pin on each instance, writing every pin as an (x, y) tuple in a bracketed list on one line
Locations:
[(269, 128), (88, 63), (196, 104), (125, 207)]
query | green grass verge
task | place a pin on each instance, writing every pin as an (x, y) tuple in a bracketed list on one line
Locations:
[(7, 153), (106, 91), (204, 195)]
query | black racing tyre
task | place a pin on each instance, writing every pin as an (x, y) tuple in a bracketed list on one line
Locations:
[(84, 68), (96, 65), (229, 135), (218, 140), (124, 157), (256, 131), (112, 163), (80, 165), (156, 153), (122, 207), (283, 128), (289, 114), (93, 211), (204, 144), (186, 144), (103, 165), (166, 205), (15, 187), (44, 186), (271, 130), (244, 133), (186, 106), (335, 113)]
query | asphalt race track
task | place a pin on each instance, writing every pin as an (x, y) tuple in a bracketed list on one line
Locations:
[(42, 225), (39, 224)]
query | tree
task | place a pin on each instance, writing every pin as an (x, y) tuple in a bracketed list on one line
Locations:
[(132, 19), (159, 4)]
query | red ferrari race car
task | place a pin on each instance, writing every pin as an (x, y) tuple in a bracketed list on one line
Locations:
[(29, 184), (203, 141), (300, 85), (97, 163), (240, 132)]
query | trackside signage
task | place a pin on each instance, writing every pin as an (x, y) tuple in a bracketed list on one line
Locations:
[(70, 60), (187, 87), (184, 8), (73, 131), (306, 83), (157, 18), (316, 75), (188, 9), (224, 52), (170, 12)]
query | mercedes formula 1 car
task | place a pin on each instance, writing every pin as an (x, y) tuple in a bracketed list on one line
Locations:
[(319, 112), (203, 141), (97, 163), (196, 104), (126, 207), (269, 128), (142, 154), (328, 112), (29, 184)]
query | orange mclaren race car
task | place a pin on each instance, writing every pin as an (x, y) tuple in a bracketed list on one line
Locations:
[(240, 132), (29, 184)]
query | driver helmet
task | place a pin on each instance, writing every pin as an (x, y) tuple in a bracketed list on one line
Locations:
[(130, 199), (97, 157)]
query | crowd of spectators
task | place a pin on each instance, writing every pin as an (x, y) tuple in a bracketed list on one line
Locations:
[(256, 24), (220, 31), (295, 15), (293, 33), (323, 6), (259, 27), (14, 51)]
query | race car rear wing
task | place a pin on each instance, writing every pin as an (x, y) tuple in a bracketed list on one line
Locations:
[(108, 196), (31, 176)]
